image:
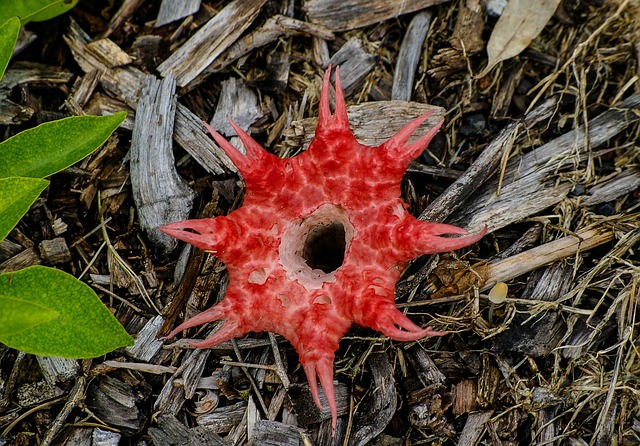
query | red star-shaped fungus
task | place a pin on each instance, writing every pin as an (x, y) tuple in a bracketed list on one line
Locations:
[(341, 197)]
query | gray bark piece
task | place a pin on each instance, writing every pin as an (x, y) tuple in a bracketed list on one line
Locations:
[(210, 41), (238, 103), (274, 433), (626, 181), (223, 419), (171, 432), (58, 370), (101, 437), (409, 56), (427, 371), (379, 405), (355, 63), (484, 166), (372, 123), (473, 428), (160, 194), (172, 10), (147, 343), (342, 15)]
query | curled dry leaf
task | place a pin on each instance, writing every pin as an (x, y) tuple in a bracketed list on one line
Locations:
[(520, 23)]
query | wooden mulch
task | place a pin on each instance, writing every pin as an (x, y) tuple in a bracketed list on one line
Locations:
[(543, 149)]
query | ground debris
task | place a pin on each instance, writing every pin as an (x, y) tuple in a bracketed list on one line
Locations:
[(542, 148)]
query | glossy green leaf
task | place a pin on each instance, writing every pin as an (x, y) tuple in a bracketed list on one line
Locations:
[(17, 194), (16, 315), (8, 35), (34, 10), (84, 328), (50, 147)]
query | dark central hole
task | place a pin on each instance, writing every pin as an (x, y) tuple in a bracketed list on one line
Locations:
[(324, 247)]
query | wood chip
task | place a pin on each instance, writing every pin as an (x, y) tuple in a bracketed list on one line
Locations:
[(210, 41), (409, 56), (161, 195), (342, 15), (108, 53), (171, 11), (55, 251), (355, 64), (379, 405), (238, 103), (171, 432)]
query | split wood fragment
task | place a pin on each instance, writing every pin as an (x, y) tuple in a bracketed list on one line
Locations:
[(210, 41), (343, 15), (161, 195), (409, 56), (171, 11)]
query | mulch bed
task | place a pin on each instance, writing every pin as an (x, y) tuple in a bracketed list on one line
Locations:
[(543, 149)]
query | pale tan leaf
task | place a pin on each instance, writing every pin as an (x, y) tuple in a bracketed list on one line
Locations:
[(520, 23)]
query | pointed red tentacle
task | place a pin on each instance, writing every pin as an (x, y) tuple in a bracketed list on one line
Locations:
[(212, 314), (237, 158), (324, 108), (255, 152), (416, 237), (322, 369), (227, 331), (397, 146), (325, 374), (340, 118), (398, 141), (415, 149), (206, 233), (310, 371)]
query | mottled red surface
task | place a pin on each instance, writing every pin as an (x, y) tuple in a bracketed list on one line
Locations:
[(337, 179)]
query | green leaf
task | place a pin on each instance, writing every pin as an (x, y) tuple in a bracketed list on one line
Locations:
[(16, 197), (17, 315), (50, 147), (8, 35), (34, 10), (84, 328)]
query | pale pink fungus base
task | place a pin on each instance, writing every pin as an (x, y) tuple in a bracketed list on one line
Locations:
[(337, 179)]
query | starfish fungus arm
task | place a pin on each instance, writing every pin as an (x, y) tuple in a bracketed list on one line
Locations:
[(322, 369), (208, 234), (328, 123), (324, 107), (396, 146), (389, 322), (214, 313), (417, 237), (255, 161), (227, 331), (340, 112)]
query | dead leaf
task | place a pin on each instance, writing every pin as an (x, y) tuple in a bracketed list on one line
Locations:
[(520, 23)]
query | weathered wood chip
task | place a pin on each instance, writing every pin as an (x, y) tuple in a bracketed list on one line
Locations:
[(342, 15), (126, 84), (273, 433), (409, 56), (171, 432), (239, 103), (108, 53), (355, 63), (210, 41), (160, 194), (380, 404), (171, 10), (373, 123)]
